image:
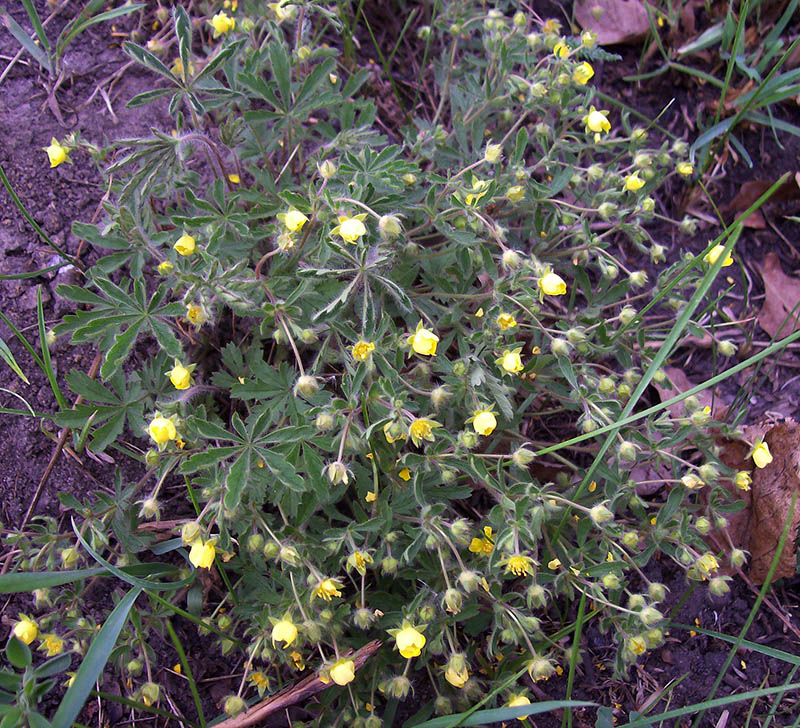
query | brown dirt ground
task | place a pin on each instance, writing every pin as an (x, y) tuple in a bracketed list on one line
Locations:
[(57, 197)]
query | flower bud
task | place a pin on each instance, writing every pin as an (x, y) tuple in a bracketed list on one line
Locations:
[(459, 369), (560, 347), (271, 550), (511, 259), (468, 581), (650, 616), (688, 226), (703, 525), (600, 514), (468, 439), (324, 421), (738, 557), (606, 210), (152, 458), (627, 314), (630, 539), (134, 667), (606, 385), (493, 153), (427, 613), (373, 721), (224, 622), (255, 542), (726, 348), (443, 705), (700, 417), (638, 278), (718, 585), (536, 596), (389, 226), (576, 336), (708, 472), (327, 169), (720, 523), (306, 385), (460, 531), (541, 668), (610, 271), (654, 637), (234, 705), (453, 601), (627, 451), (439, 396), (611, 581), (288, 555), (150, 508), (149, 693), (522, 457), (69, 557), (624, 390), (636, 601), (657, 592), (363, 618), (337, 473)]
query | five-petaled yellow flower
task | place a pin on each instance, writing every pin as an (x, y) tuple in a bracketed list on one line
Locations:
[(483, 421), (57, 153), (362, 349), (293, 220), (596, 121), (350, 229), (343, 671), (506, 321), (196, 314), (479, 188), (761, 455), (552, 284), (633, 182), (707, 563), (742, 479), (165, 267), (637, 645), (26, 630), (222, 23), (185, 244), (202, 553), (561, 50), (327, 589), (359, 560), (519, 565), (180, 376), (423, 341), (684, 169), (483, 545), (422, 429), (284, 631), (409, 640), (162, 430), (510, 361), (52, 644), (405, 474), (712, 256), (583, 73)]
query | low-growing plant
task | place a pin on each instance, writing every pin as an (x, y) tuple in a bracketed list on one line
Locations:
[(393, 384)]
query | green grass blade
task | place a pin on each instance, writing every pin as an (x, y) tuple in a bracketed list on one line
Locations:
[(26, 581), (136, 705), (496, 715), (787, 657), (39, 28), (48, 364), (573, 657), (8, 358), (187, 672), (42, 58), (82, 22), (188, 615), (94, 662)]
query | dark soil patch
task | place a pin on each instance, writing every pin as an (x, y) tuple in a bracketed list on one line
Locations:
[(56, 198)]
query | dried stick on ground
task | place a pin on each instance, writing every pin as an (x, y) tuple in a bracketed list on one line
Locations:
[(294, 693)]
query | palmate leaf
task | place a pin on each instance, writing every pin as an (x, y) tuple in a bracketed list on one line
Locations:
[(126, 314)]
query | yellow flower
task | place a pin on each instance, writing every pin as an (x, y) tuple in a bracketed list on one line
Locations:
[(713, 255), (493, 153), (588, 39), (457, 678), (234, 178), (583, 73), (359, 560), (282, 13), (350, 229), (560, 50), (405, 474), (506, 321), (596, 121), (343, 671), (196, 314), (479, 189), (691, 481), (202, 553), (423, 341), (552, 284), (284, 631), (743, 480), (761, 455), (685, 169), (293, 220), (26, 630), (633, 182), (177, 69), (297, 660), (422, 429), (518, 565), (165, 267), (554, 564), (162, 430), (483, 421), (222, 23), (260, 680), (707, 563), (180, 376), (637, 645), (393, 432), (517, 701), (57, 153), (515, 193), (409, 640), (185, 244), (483, 545), (327, 589), (52, 644), (372, 496), (510, 361), (362, 349)]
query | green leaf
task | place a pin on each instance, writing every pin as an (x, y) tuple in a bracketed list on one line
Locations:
[(94, 662), (283, 470), (37, 24), (216, 62), (148, 60), (25, 41), (496, 715), (18, 653), (53, 666), (147, 96), (237, 480), (82, 23), (281, 70), (183, 32), (119, 352)]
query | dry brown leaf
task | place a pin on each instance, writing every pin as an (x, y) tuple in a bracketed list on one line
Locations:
[(750, 191), (780, 314), (614, 21), (680, 383), (758, 527)]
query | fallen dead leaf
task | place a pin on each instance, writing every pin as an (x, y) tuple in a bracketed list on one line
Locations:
[(780, 314), (614, 21), (758, 527), (680, 383), (750, 191)]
